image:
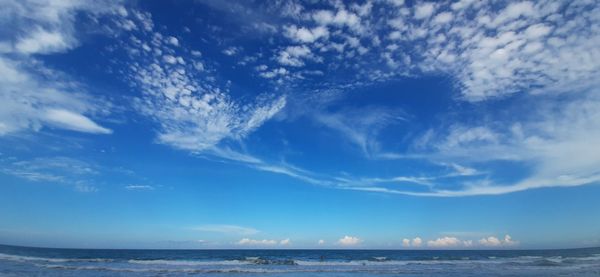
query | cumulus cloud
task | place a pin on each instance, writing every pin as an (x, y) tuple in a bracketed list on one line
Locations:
[(305, 35), (495, 242), (455, 242), (416, 242), (264, 242), (252, 242), (405, 242), (444, 242), (424, 10), (341, 17), (285, 242), (294, 55), (349, 241), (321, 242)]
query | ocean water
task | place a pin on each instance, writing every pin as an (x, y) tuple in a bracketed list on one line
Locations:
[(27, 261)]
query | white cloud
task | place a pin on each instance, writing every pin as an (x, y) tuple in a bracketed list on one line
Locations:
[(490, 241), (454, 242), (360, 126), (170, 59), (252, 242), (264, 242), (321, 242), (349, 241), (443, 18), (341, 18), (444, 242), (416, 242), (495, 242), (277, 72), (464, 135), (424, 10), (294, 55), (173, 41), (285, 242), (406, 242), (139, 187), (226, 229), (57, 170), (195, 113), (231, 51), (42, 41), (29, 101), (31, 94), (73, 121), (305, 35)]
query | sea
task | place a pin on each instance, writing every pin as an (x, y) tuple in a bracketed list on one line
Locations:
[(29, 261)]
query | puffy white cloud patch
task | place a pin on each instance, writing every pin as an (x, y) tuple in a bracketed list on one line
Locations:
[(416, 242), (492, 49), (264, 242), (194, 112), (495, 242), (455, 242), (341, 17), (306, 35), (285, 242), (444, 242), (349, 241), (424, 10), (294, 55), (252, 242), (405, 242)]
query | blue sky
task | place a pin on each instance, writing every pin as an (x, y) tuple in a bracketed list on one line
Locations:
[(300, 124)]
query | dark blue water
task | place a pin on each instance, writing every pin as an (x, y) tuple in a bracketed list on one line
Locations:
[(27, 261)]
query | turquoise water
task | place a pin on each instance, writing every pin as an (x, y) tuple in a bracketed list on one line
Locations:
[(26, 261)]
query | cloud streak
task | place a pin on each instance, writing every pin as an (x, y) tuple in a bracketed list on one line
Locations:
[(226, 229)]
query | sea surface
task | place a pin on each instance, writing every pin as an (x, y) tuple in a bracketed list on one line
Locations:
[(27, 261)]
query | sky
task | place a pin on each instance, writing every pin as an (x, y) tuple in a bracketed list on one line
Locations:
[(384, 124)]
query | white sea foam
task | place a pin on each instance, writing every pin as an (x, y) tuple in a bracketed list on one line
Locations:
[(19, 258), (189, 262)]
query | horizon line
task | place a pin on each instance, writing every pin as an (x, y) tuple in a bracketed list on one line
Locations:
[(302, 249)]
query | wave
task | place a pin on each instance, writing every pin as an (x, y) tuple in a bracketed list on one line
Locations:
[(274, 265), (19, 258), (185, 270), (189, 262)]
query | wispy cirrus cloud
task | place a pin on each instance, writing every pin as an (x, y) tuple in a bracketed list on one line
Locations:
[(58, 170), (33, 95), (226, 229)]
